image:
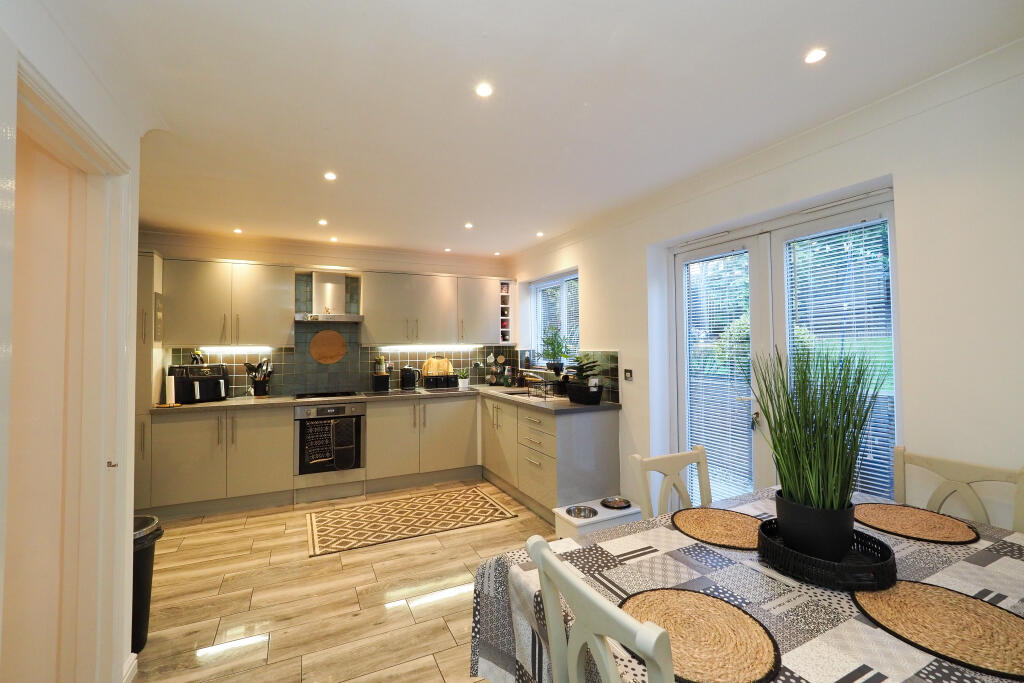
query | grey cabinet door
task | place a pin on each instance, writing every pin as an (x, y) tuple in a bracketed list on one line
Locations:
[(189, 453), (262, 304), (197, 303), (392, 439), (479, 311), (260, 451), (499, 439), (143, 461), (447, 433)]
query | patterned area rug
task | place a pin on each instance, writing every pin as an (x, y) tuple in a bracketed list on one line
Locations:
[(333, 531)]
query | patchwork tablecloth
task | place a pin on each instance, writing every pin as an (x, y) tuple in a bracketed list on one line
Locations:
[(821, 634)]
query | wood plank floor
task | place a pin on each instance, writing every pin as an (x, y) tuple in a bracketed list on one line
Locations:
[(236, 597)]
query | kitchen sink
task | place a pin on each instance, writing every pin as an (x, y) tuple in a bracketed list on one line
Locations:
[(516, 392)]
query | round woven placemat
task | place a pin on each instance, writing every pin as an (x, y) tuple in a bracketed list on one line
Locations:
[(949, 624), (915, 523), (711, 640), (725, 528)]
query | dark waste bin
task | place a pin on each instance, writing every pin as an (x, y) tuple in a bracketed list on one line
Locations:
[(147, 531)]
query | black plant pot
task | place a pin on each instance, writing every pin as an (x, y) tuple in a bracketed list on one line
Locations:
[(584, 395), (825, 534), (556, 368)]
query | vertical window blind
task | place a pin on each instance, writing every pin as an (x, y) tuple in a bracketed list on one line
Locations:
[(717, 296), (838, 297), (557, 305)]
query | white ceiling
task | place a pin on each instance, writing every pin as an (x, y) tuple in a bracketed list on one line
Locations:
[(595, 103)]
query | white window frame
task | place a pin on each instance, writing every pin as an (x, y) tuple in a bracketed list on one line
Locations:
[(537, 285)]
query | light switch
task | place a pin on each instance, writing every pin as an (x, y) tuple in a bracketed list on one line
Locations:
[(627, 374)]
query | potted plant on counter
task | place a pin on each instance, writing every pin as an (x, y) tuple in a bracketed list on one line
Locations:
[(463, 374), (584, 387), (816, 408), (555, 347)]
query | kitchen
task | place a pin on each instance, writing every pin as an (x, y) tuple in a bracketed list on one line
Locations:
[(378, 381)]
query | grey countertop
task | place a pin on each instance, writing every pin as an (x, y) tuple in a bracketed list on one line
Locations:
[(553, 405)]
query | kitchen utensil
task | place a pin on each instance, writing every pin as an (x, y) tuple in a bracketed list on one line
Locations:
[(501, 360), (490, 379), (327, 347), (490, 358), (250, 370)]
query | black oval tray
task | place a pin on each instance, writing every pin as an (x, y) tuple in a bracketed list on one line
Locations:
[(870, 564)]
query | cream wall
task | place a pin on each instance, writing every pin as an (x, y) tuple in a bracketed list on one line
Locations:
[(952, 147)]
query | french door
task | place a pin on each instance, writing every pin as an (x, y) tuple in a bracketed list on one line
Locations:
[(723, 309), (821, 280)]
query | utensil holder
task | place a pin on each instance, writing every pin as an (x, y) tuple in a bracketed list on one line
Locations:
[(261, 388)]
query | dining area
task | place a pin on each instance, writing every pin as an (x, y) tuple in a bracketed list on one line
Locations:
[(808, 580)]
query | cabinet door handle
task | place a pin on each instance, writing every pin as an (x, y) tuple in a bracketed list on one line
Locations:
[(424, 407), (144, 313), (414, 414), (407, 328), (462, 329), (234, 428), (224, 331), (531, 419), (142, 440), (417, 328), (532, 461), (238, 327), (219, 426), (533, 441)]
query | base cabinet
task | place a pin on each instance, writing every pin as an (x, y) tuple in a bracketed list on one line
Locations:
[(259, 451), (189, 458), (498, 422), (392, 439), (447, 434), (143, 461)]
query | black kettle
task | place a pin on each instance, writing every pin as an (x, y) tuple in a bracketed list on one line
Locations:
[(408, 378)]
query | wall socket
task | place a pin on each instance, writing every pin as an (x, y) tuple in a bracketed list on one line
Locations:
[(627, 374)]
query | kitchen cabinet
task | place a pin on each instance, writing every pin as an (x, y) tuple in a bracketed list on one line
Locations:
[(263, 304), (400, 308), (498, 423), (143, 462), (188, 458), (538, 476), (447, 434), (259, 450), (479, 312), (197, 303), (392, 439), (148, 352), (212, 303)]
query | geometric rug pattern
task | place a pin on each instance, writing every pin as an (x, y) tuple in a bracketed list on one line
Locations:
[(337, 530)]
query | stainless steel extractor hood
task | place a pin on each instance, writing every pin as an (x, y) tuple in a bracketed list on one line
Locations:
[(329, 300)]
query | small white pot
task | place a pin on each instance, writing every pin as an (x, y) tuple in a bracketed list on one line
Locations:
[(463, 383)]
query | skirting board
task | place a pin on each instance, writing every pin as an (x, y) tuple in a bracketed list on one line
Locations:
[(218, 505), (131, 668), (545, 513), (422, 479)]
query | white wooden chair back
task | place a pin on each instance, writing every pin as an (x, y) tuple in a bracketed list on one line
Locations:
[(672, 467), (957, 479), (596, 620)]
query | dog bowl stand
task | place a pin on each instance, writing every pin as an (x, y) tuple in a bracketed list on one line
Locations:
[(573, 527)]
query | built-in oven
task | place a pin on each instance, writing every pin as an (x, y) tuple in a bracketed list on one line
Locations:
[(330, 437)]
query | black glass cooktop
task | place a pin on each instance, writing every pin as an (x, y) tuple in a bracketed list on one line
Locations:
[(327, 394)]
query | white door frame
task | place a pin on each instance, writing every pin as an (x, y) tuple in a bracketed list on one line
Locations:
[(96, 564), (758, 247)]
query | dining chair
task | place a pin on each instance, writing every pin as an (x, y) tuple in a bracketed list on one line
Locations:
[(957, 479), (596, 620), (672, 467)]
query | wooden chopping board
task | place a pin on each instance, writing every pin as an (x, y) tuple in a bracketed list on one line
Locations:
[(327, 347)]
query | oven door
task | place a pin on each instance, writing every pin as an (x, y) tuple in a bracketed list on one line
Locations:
[(329, 444)]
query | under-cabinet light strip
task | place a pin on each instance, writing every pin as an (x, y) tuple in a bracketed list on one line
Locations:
[(227, 350), (412, 348)]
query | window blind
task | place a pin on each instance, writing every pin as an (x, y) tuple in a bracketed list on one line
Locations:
[(838, 297), (717, 296)]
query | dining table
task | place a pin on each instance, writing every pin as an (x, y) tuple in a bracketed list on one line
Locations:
[(821, 634)]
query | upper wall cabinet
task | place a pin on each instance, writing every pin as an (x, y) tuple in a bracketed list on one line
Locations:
[(479, 312), (208, 302), (400, 308)]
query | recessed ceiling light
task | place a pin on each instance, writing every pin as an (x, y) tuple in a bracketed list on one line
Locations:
[(815, 56), (322, 221), (334, 239), (330, 175), (238, 231), (484, 89), (497, 253), (540, 234), (469, 226), (447, 248)]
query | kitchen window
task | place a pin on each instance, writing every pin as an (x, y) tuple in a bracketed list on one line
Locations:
[(556, 304)]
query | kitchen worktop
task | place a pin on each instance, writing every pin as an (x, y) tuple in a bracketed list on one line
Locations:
[(511, 395)]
